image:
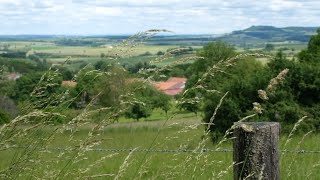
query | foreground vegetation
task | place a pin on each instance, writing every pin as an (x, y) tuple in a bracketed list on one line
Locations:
[(171, 135)]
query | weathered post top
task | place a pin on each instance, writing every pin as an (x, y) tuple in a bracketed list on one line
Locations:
[(256, 150)]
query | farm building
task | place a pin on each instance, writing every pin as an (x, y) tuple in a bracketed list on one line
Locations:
[(172, 86)]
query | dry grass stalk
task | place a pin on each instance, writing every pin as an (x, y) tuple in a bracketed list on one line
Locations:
[(294, 156), (275, 82), (124, 165), (295, 127)]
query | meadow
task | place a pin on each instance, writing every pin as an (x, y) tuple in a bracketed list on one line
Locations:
[(173, 134)]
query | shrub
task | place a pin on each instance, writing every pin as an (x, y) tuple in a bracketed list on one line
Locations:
[(4, 117)]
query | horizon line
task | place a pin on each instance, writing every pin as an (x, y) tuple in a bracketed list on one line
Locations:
[(159, 34)]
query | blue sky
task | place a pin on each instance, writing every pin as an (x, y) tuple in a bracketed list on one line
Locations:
[(91, 17)]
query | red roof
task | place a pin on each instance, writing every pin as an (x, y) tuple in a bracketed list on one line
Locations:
[(173, 92), (69, 83), (176, 79), (172, 86)]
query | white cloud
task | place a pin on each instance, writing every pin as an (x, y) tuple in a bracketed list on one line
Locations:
[(278, 5), (130, 16), (106, 11)]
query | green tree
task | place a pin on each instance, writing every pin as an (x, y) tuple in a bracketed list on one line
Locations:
[(25, 85), (269, 47), (112, 86), (48, 90), (109, 85), (87, 79), (103, 65), (143, 99), (67, 75), (312, 53), (242, 82), (140, 103), (191, 101), (138, 66), (299, 94), (19, 65), (6, 86), (137, 111), (4, 117), (159, 53), (161, 101), (212, 53), (147, 53)]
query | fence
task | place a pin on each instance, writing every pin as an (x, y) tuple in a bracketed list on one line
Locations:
[(165, 150), (255, 150)]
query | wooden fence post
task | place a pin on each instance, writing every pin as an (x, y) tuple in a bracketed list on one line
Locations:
[(256, 150)]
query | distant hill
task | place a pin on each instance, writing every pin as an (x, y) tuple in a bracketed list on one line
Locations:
[(252, 37), (256, 35)]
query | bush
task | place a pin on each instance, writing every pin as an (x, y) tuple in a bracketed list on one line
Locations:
[(299, 95), (242, 84), (147, 53), (138, 111), (4, 117), (159, 53)]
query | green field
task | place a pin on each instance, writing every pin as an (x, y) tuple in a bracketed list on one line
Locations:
[(80, 55), (96, 51), (180, 132)]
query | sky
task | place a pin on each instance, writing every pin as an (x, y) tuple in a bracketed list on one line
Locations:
[(103, 17)]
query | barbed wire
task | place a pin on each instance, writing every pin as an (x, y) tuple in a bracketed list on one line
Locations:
[(299, 151), (158, 150)]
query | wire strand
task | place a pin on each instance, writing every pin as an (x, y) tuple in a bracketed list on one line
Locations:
[(159, 150)]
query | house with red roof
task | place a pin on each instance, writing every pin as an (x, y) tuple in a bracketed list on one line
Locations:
[(172, 86)]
